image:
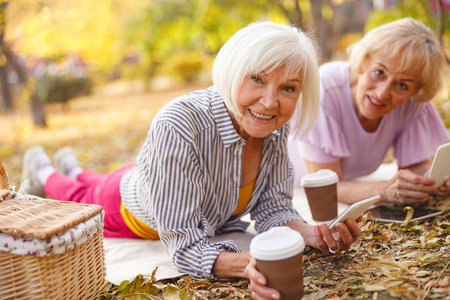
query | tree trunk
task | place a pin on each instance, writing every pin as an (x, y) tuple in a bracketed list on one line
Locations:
[(323, 29), (294, 16), (5, 88), (441, 24), (36, 105), (327, 32), (37, 110)]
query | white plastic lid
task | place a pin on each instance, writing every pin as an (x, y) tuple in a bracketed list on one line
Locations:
[(277, 243), (320, 178)]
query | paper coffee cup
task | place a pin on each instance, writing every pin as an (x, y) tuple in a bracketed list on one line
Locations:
[(279, 256), (321, 191)]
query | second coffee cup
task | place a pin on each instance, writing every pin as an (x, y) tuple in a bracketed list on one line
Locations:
[(321, 191)]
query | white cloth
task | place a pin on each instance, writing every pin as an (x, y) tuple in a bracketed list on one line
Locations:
[(126, 258)]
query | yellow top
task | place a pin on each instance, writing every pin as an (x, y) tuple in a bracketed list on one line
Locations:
[(244, 197), (137, 226), (146, 232)]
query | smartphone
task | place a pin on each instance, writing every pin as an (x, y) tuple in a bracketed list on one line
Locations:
[(396, 214), (440, 169), (355, 210)]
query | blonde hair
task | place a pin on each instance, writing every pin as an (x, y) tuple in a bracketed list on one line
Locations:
[(264, 46), (417, 46)]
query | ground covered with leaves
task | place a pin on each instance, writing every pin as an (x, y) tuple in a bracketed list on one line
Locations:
[(389, 261)]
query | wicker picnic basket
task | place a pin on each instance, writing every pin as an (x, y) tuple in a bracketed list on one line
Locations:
[(49, 249)]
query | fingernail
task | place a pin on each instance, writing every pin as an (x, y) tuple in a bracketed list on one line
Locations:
[(260, 281), (274, 296)]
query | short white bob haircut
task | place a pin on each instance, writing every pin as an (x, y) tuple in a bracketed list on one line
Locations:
[(265, 46), (410, 41)]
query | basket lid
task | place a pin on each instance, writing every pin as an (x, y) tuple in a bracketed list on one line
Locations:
[(42, 218)]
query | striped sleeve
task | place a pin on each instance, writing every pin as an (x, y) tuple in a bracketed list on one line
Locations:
[(172, 183)]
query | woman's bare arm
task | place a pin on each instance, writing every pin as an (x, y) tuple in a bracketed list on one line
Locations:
[(407, 186)]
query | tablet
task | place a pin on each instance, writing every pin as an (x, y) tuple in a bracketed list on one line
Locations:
[(355, 210), (440, 169), (397, 214)]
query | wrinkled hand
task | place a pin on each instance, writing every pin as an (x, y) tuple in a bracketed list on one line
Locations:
[(258, 283), (347, 233), (407, 187), (444, 189)]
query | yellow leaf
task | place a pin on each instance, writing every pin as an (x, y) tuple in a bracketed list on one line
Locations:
[(409, 214)]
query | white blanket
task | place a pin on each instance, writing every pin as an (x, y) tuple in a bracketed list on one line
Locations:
[(126, 258)]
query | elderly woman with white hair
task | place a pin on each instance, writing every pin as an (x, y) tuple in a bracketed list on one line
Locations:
[(211, 157)]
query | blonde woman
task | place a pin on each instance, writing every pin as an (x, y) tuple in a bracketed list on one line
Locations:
[(378, 100)]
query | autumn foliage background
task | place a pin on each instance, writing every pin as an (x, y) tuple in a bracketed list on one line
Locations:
[(102, 69), (96, 72)]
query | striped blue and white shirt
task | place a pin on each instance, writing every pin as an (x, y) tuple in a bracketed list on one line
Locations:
[(187, 180)]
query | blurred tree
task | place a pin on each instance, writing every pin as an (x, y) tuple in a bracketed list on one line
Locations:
[(417, 9), (8, 58), (441, 24), (4, 86), (224, 17), (164, 29), (161, 28), (329, 20), (105, 33), (56, 29), (36, 106)]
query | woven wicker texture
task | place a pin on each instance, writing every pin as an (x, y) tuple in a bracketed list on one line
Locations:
[(42, 218), (76, 274), (5, 186), (4, 182)]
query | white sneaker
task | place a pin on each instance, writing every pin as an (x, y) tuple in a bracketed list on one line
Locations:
[(34, 160), (67, 162)]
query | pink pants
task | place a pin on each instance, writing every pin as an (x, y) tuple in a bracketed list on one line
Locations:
[(94, 188)]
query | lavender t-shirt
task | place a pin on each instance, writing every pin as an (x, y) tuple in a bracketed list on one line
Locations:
[(413, 129)]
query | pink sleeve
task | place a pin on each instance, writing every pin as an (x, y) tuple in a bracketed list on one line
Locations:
[(424, 134), (326, 142)]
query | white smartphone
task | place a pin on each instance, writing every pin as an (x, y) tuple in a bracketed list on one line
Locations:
[(440, 169), (354, 210)]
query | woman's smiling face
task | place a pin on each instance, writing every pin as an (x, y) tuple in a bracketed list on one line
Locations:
[(266, 101), (380, 88)]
